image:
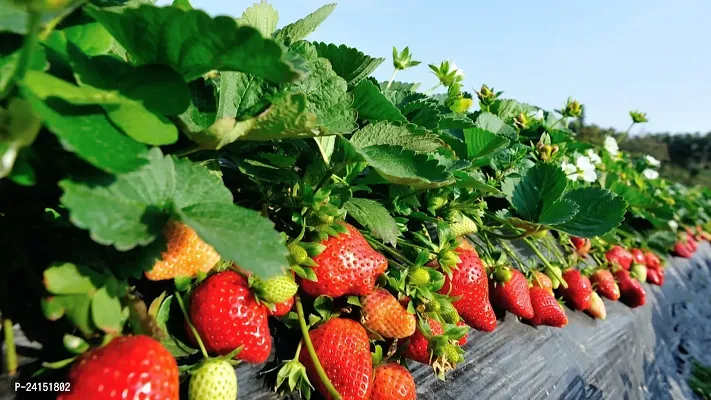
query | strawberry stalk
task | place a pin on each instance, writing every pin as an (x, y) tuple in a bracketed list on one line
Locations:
[(553, 249), (312, 352), (34, 24), (10, 351), (191, 326), (545, 261)]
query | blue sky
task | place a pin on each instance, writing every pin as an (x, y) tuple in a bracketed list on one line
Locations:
[(611, 55)]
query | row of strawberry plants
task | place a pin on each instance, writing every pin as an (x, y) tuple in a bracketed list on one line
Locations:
[(181, 190)]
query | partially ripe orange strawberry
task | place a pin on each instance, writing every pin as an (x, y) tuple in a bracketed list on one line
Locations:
[(383, 314), (186, 255), (542, 281), (393, 382)]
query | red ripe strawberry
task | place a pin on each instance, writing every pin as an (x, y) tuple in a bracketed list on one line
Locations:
[(683, 250), (546, 310), (417, 347), (638, 256), (383, 314), (542, 280), (652, 261), (343, 349), (693, 244), (631, 290), (227, 316), (463, 340), (281, 309), (512, 296), (129, 367), (620, 257), (604, 283), (655, 276), (393, 382), (186, 254), (347, 266), (579, 291), (582, 245), (469, 282)]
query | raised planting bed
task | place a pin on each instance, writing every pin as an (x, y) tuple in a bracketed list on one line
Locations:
[(641, 353)]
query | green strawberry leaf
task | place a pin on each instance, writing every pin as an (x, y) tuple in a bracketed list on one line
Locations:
[(507, 109), (372, 105), (240, 94), (542, 186), (239, 235), (8, 63), (261, 16), (107, 148), (175, 346), (68, 278), (422, 111), (132, 210), (193, 43), (91, 37), (303, 27), (407, 136), (405, 167), (633, 196), (349, 63), (373, 216), (558, 212), (317, 105), (599, 212), (475, 181), (481, 144), (106, 311), (492, 123)]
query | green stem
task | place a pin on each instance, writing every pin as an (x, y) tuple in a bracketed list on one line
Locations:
[(190, 150), (556, 122), (394, 254), (553, 249), (545, 261), (10, 350), (34, 23), (334, 170), (512, 254), (435, 87), (392, 77), (190, 325), (624, 135), (312, 352), (514, 237)]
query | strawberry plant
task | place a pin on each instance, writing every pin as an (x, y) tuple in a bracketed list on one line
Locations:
[(179, 188)]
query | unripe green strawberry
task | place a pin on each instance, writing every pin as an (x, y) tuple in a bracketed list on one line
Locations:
[(503, 274), (464, 226), (297, 254), (419, 276), (448, 313), (452, 354), (639, 272), (277, 289), (436, 202), (554, 276), (215, 380), (433, 306)]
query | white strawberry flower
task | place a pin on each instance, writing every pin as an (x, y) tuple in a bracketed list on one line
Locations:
[(453, 68), (650, 174), (652, 161), (673, 225), (582, 169), (611, 145), (592, 155)]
